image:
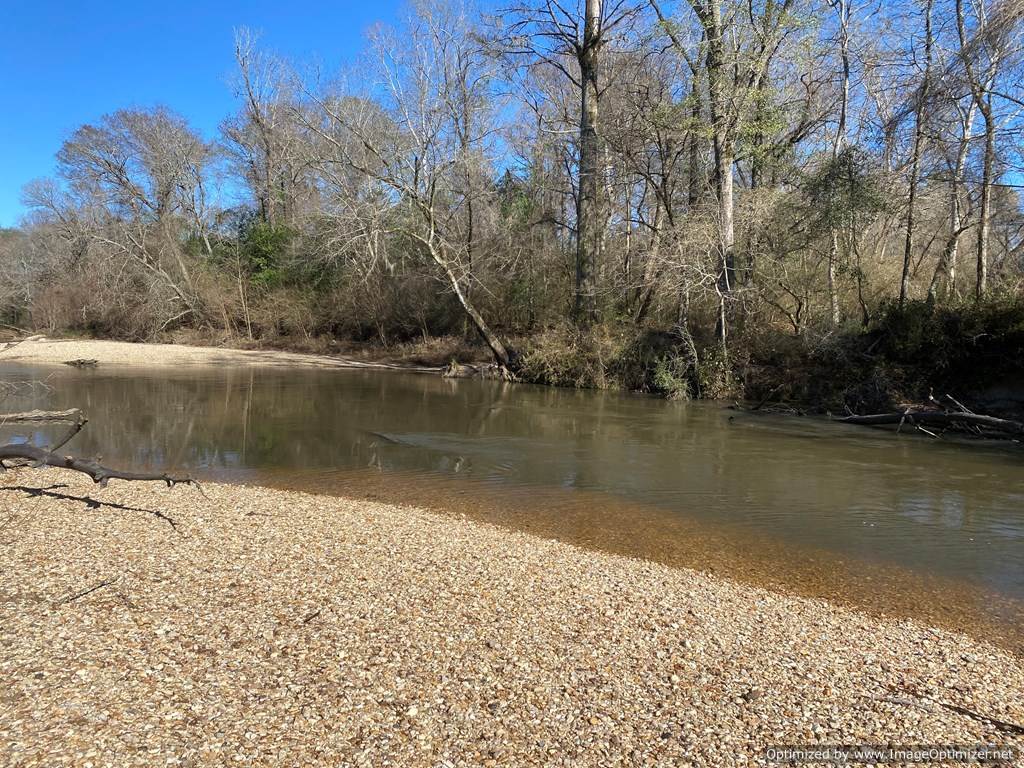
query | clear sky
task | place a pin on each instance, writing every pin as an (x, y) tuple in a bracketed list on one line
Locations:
[(66, 62)]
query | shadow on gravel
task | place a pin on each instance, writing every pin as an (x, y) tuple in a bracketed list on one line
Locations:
[(90, 503)]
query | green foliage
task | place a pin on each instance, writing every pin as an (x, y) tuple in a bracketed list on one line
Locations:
[(609, 356), (620, 356), (968, 342), (517, 206), (765, 118), (844, 189), (715, 377), (909, 351), (672, 377), (678, 116), (652, 361), (264, 247)]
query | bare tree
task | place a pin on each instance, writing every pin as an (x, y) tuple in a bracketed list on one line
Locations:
[(965, 111), (571, 39), (413, 146), (135, 192), (920, 99), (735, 67), (739, 167), (844, 14), (262, 137), (983, 54)]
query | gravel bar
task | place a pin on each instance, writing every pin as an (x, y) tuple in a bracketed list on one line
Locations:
[(145, 625), (40, 350)]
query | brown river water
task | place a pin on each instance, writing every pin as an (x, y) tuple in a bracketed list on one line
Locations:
[(899, 525)]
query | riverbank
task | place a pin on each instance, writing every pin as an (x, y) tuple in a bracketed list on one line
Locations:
[(903, 358), (279, 628), (42, 350)]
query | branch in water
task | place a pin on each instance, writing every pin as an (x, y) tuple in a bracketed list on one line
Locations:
[(41, 457), (938, 419), (72, 414)]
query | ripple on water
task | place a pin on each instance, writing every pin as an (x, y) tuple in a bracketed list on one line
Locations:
[(893, 523)]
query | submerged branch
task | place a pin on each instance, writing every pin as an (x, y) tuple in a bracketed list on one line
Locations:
[(943, 419), (72, 415)]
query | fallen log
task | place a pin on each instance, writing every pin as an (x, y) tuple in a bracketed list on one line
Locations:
[(48, 456), (937, 419), (71, 414), (41, 457), (455, 370)]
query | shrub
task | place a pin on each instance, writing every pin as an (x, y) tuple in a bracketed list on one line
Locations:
[(566, 356), (264, 248), (715, 378), (672, 377), (624, 357)]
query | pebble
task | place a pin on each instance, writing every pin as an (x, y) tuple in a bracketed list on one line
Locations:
[(433, 641)]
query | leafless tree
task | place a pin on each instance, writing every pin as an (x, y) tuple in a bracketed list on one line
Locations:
[(573, 39), (416, 145), (135, 191)]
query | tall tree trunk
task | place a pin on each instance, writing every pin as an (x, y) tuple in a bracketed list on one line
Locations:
[(589, 218), (757, 165), (693, 171), (652, 268), (726, 233), (981, 93), (502, 354), (724, 156), (627, 256), (948, 262), (915, 158), (985, 208), (843, 9), (835, 317)]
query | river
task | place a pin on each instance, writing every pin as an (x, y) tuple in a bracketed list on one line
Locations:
[(895, 524)]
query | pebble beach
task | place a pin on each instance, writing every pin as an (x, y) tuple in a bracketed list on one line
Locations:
[(39, 350), (229, 625)]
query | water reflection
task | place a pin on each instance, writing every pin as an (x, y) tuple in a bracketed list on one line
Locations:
[(648, 469)]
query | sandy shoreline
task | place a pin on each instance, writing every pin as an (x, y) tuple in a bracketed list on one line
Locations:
[(277, 628), (43, 351)]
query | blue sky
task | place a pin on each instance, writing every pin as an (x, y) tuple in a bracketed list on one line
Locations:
[(63, 64)]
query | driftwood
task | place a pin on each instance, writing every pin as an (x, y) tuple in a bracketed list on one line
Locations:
[(72, 414), (48, 456), (15, 342), (42, 457), (455, 370), (921, 418), (82, 363)]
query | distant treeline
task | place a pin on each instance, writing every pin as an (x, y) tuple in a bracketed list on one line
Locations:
[(593, 189)]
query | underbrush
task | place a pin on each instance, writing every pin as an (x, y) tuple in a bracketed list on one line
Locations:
[(906, 353), (903, 356), (666, 363)]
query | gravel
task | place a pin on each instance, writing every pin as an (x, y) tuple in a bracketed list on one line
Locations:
[(277, 628), (41, 350)]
